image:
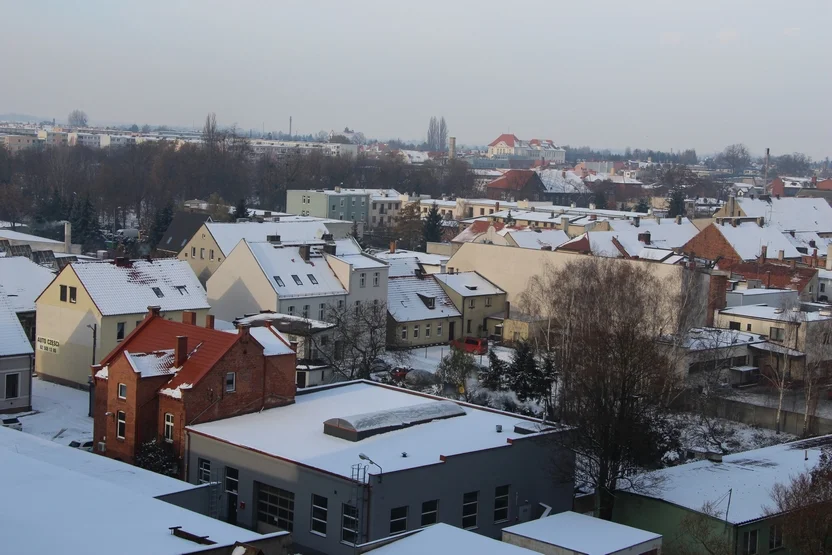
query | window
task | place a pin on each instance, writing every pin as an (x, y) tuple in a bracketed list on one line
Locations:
[(349, 524), (416, 331), (319, 513), (749, 543), (276, 506), (121, 424), (748, 327), (193, 252), (340, 303), (398, 520), (363, 280), (279, 281), (183, 289), (404, 332), (292, 310), (63, 293), (306, 311), (482, 211), (169, 427), (777, 334), (501, 504), (471, 303), (73, 295), (375, 279), (342, 202), (427, 330), (119, 331), (158, 292), (488, 301), (203, 474), (469, 510), (822, 288), (312, 279), (374, 206), (231, 382), (468, 326), (211, 254), (122, 391), (775, 537), (321, 311), (297, 279), (13, 385), (733, 325), (438, 329), (430, 512), (202, 254)]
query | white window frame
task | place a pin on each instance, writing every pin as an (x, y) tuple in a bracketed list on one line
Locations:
[(471, 303), (427, 330), (415, 331), (375, 279), (439, 329), (398, 520), (362, 280), (202, 466), (169, 427), (404, 333), (488, 301), (120, 394), (504, 498), (233, 382), (320, 520), (121, 421), (747, 548), (353, 518)]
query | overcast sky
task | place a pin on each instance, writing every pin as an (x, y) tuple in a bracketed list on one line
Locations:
[(644, 73)]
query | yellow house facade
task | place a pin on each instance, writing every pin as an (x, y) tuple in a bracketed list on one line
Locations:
[(477, 300), (77, 326)]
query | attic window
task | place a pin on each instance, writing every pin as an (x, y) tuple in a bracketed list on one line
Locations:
[(158, 292), (279, 281), (471, 287), (312, 279), (297, 279), (183, 290), (429, 301)]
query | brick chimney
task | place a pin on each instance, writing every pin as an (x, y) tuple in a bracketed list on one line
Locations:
[(181, 352), (392, 247), (153, 311), (636, 221), (717, 289), (678, 220), (67, 238), (781, 254), (209, 321), (497, 206), (243, 331), (508, 310), (644, 237), (303, 251), (189, 317), (763, 252)]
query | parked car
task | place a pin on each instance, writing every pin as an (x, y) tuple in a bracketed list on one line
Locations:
[(13, 423), (473, 345), (84, 446), (399, 372)]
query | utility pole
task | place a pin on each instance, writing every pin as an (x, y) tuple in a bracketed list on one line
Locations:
[(290, 128), (765, 178)]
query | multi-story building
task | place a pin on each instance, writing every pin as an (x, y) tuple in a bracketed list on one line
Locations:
[(338, 204), (91, 307), (15, 361), (166, 374), (508, 145), (89, 140), (265, 147), (420, 312), (16, 143), (480, 302), (53, 138), (360, 461)]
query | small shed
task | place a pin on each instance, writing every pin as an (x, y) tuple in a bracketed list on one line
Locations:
[(572, 533)]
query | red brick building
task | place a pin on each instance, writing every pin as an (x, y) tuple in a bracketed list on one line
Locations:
[(167, 375), (517, 185)]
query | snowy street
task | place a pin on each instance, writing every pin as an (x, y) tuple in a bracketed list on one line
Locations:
[(59, 413)]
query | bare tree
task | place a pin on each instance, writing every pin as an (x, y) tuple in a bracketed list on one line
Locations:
[(818, 350), (433, 134), (455, 369), (77, 118), (702, 532), (442, 142), (361, 338), (736, 156), (778, 373), (613, 375)]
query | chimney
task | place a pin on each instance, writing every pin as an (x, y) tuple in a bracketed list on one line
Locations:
[(763, 253), (209, 321), (829, 257), (508, 310), (497, 206), (329, 248), (153, 311), (636, 221), (67, 238), (189, 317), (303, 251), (644, 237), (733, 222), (392, 247), (243, 331), (678, 220), (794, 264), (815, 259), (781, 254), (761, 221), (181, 352), (273, 239), (564, 223), (293, 345), (812, 243), (716, 296), (593, 217), (451, 147), (768, 278)]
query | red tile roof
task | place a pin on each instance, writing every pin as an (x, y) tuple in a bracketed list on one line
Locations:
[(507, 138), (772, 275), (515, 180), (206, 346)]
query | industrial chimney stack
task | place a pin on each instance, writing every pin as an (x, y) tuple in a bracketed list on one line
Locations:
[(451, 148)]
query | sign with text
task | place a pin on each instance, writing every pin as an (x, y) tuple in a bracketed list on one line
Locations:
[(48, 345)]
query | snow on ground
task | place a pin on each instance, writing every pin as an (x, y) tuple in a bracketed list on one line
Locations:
[(59, 413), (428, 358), (722, 436)]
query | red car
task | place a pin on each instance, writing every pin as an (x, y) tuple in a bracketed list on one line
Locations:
[(473, 345)]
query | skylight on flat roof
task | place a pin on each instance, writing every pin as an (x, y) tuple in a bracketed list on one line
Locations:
[(360, 426)]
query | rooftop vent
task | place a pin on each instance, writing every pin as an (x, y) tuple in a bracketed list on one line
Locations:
[(360, 426), (471, 287)]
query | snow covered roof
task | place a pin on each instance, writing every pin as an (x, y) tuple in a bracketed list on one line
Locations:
[(117, 473), (475, 230), (613, 178), (468, 284), (408, 299), (808, 240), (538, 238), (129, 289), (227, 235), (414, 156), (22, 281), (664, 232), (558, 181), (767, 312), (272, 341), (156, 363), (360, 261), (582, 534), (403, 267), (360, 426), (747, 239), (292, 276), (284, 323), (791, 213), (423, 257), (749, 475), (13, 340), (25, 237), (701, 339), (135, 523), (443, 539), (440, 203), (295, 433)]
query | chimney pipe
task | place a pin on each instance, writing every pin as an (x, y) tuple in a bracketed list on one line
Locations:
[(508, 310), (829, 257), (781, 254), (189, 317), (678, 220), (209, 321), (67, 238), (303, 250), (392, 247), (181, 353), (763, 252), (564, 224), (153, 311), (636, 221)]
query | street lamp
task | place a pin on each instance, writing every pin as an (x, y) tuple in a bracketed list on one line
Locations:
[(364, 457)]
